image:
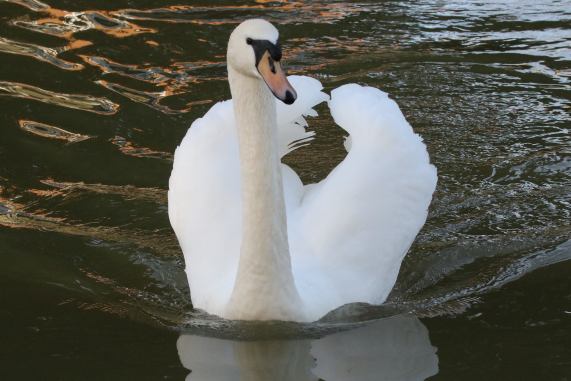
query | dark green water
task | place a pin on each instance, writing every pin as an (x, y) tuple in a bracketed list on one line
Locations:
[(95, 96)]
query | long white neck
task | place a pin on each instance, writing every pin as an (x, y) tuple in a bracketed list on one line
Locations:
[(264, 288)]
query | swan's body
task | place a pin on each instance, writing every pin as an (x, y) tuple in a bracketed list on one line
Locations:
[(259, 245)]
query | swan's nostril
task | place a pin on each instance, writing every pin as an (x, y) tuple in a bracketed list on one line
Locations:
[(289, 98)]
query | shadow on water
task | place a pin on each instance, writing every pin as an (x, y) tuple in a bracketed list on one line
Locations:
[(96, 96)]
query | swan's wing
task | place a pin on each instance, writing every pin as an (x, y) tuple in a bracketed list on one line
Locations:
[(204, 191), (292, 126), (293, 133), (204, 206), (359, 222)]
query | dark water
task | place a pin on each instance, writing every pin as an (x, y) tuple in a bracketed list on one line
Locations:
[(95, 96)]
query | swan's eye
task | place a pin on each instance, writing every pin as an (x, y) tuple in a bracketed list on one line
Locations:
[(249, 41), (272, 65)]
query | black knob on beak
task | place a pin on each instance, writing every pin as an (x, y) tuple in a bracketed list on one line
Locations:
[(289, 98)]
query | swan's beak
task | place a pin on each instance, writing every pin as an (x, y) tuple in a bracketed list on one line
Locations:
[(272, 72)]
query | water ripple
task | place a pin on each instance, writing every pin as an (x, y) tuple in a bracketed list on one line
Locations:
[(130, 149), (485, 83), (51, 132), (65, 24), (96, 105), (42, 53), (279, 12), (149, 98)]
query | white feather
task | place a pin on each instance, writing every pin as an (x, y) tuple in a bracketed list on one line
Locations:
[(348, 234)]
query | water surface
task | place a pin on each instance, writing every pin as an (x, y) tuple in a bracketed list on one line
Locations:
[(96, 95)]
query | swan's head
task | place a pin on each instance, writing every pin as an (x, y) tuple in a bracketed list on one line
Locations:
[(254, 51)]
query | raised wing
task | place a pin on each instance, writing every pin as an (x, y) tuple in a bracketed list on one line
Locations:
[(359, 222)]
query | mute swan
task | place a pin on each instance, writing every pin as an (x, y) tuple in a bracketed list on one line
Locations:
[(258, 244)]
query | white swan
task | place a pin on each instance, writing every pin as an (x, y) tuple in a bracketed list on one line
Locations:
[(258, 244)]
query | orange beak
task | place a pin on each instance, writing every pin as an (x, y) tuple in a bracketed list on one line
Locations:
[(272, 72)]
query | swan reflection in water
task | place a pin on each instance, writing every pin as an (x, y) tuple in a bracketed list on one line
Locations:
[(396, 348)]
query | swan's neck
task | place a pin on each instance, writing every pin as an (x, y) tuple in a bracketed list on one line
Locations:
[(264, 288)]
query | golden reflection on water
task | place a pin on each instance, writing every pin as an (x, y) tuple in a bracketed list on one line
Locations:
[(129, 192), (65, 24), (51, 132), (278, 12), (42, 53), (151, 99), (33, 5), (19, 216), (174, 79), (89, 103), (130, 149)]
